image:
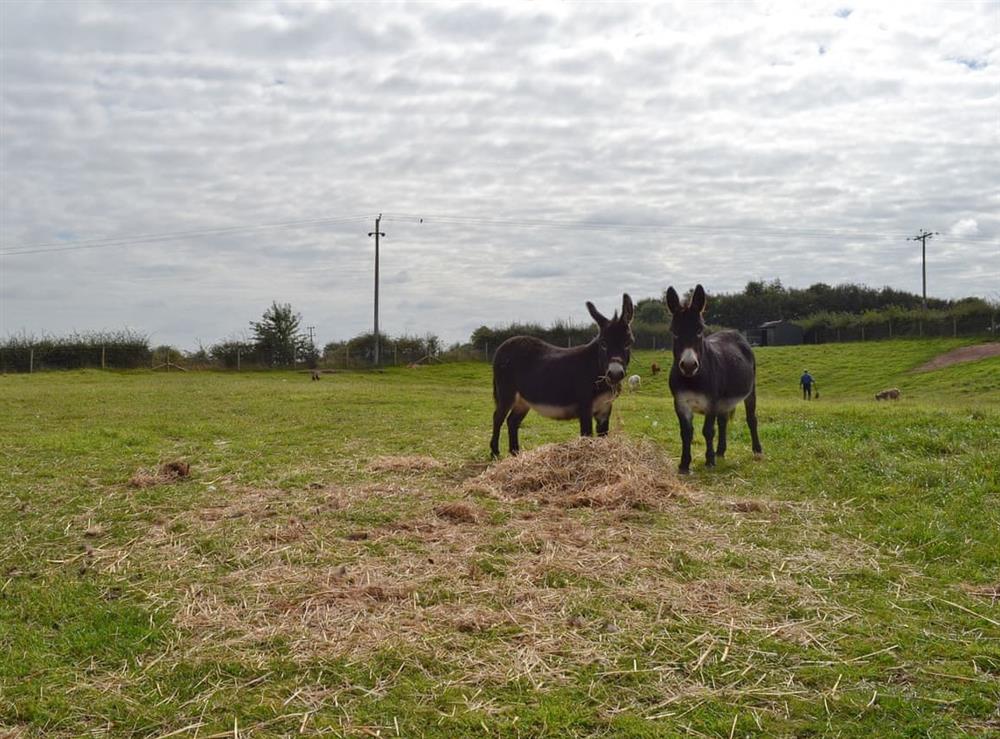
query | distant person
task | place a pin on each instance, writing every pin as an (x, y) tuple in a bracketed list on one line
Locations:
[(806, 382)]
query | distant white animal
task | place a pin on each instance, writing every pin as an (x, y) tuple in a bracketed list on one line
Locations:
[(633, 382)]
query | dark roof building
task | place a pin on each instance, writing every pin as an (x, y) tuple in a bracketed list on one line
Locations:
[(779, 333)]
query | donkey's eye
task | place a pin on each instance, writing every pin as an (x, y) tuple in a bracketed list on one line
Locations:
[(604, 345)]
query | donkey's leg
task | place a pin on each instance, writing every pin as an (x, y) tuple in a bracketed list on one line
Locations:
[(504, 398), (603, 422), (586, 414), (684, 418), (751, 407), (513, 424), (720, 451), (708, 431), (499, 416)]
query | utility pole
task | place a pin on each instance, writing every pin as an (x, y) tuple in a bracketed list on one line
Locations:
[(312, 347), (922, 238), (376, 233)]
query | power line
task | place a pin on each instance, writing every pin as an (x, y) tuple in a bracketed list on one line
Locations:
[(499, 222), (109, 241), (838, 234)]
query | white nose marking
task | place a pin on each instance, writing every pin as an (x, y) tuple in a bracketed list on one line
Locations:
[(689, 358)]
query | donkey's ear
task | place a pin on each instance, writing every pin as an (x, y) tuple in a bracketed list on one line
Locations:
[(698, 300), (673, 301), (596, 315), (628, 310)]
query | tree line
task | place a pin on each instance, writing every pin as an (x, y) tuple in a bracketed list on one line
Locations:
[(846, 312), (761, 301), (275, 341)]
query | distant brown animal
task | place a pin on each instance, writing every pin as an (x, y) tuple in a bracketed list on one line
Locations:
[(890, 394), (655, 369), (315, 374)]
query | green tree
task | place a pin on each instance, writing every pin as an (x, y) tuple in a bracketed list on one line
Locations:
[(650, 310), (276, 336)]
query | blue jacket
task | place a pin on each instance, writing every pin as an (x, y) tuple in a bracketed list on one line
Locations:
[(806, 380)]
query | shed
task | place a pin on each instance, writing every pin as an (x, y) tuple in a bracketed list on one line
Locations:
[(780, 333)]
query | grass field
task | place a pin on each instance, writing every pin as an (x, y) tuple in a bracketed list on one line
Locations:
[(847, 584)]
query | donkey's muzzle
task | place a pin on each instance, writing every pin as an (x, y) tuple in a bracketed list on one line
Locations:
[(616, 371), (688, 364)]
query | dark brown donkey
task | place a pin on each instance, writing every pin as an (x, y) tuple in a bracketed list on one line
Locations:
[(710, 375), (580, 382)]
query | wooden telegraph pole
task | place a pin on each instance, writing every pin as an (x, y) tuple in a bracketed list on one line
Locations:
[(922, 238), (376, 233)]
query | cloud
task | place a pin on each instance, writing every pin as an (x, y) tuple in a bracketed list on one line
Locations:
[(965, 227), (556, 153)]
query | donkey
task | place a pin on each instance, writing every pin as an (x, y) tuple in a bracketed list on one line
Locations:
[(710, 375), (580, 382)]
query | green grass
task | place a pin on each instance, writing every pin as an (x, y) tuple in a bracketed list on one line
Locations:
[(851, 593)]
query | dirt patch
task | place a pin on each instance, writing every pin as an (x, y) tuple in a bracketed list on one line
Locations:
[(960, 355), (603, 472)]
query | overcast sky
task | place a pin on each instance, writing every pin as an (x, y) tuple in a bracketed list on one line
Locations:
[(556, 153)]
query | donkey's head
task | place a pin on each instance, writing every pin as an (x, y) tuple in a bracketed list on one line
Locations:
[(615, 340), (688, 329)]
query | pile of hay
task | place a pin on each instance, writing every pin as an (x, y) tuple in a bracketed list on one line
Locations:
[(167, 472), (602, 472)]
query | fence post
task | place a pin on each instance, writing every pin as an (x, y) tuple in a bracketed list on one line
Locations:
[(954, 327), (103, 365), (347, 356), (31, 360), (395, 353), (237, 359)]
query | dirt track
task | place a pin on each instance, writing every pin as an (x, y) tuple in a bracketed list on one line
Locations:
[(963, 354)]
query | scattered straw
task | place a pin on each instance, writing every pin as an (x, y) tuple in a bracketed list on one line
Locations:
[(527, 592), (413, 463), (459, 511), (747, 506), (990, 592), (603, 472)]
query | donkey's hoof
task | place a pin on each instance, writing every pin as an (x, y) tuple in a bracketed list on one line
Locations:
[(710, 463), (684, 471), (758, 455)]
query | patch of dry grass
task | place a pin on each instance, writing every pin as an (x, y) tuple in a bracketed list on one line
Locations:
[(552, 570), (403, 464)]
